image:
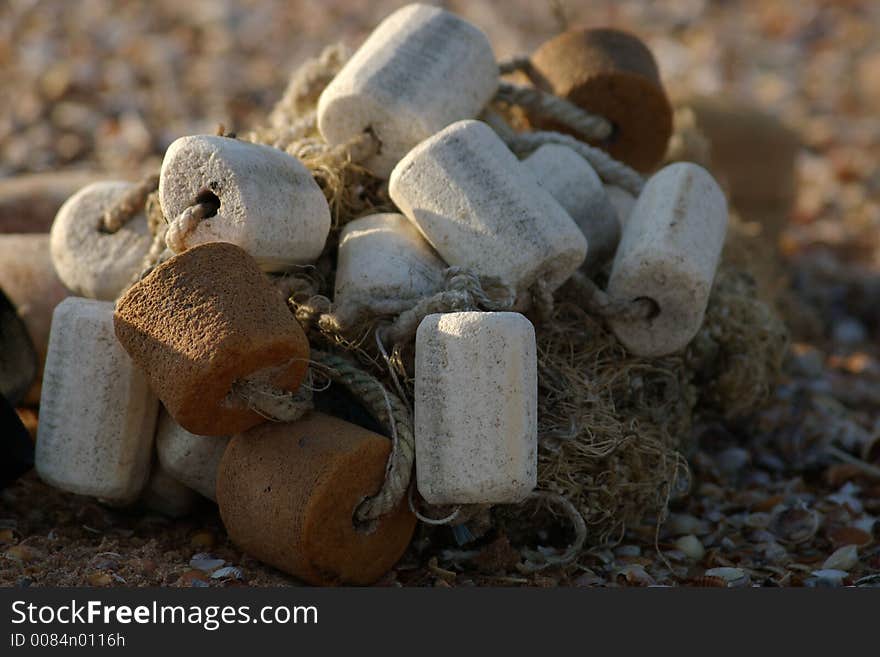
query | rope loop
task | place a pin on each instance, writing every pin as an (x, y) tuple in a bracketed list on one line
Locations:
[(390, 411), (540, 103), (128, 205), (598, 302), (611, 171)]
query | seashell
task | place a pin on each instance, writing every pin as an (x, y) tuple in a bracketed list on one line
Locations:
[(691, 546), (635, 574), (194, 578), (773, 552), (829, 578), (847, 496), (733, 577), (708, 582), (589, 578), (869, 581), (843, 558), (230, 572), (205, 562), (795, 524)]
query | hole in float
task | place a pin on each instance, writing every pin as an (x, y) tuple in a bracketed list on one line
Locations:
[(653, 308), (209, 199), (614, 136)]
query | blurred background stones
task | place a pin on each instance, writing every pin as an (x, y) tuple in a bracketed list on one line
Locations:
[(107, 86)]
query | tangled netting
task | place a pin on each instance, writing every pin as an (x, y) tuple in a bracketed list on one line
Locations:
[(613, 428)]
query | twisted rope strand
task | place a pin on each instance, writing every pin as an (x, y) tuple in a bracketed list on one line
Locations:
[(185, 223), (393, 414), (464, 291), (537, 561), (286, 406), (591, 126), (273, 403), (128, 205), (598, 302), (611, 171)]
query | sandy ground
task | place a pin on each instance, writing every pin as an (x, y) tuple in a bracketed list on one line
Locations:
[(108, 85)]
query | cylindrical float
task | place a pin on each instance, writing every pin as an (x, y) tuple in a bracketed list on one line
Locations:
[(622, 201), (612, 74), (753, 154), (190, 459), (421, 69), (476, 408), (384, 265), (481, 209), (97, 412), (16, 447), (670, 250), (576, 186), (166, 495), (18, 358), (28, 279), (29, 203), (203, 320), (92, 262), (257, 197), (288, 492)]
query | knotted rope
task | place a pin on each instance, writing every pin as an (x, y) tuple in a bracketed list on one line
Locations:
[(128, 205), (591, 126), (600, 303), (316, 153), (463, 290)]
